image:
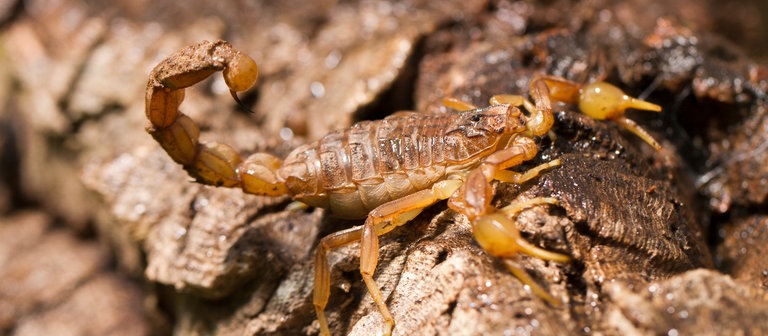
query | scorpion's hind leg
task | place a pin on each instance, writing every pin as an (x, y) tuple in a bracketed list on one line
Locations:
[(380, 221), (210, 163), (322, 286)]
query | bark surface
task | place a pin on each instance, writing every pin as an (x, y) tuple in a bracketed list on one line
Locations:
[(98, 221)]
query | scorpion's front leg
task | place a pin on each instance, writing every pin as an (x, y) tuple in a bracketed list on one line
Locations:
[(494, 229), (210, 163), (381, 220)]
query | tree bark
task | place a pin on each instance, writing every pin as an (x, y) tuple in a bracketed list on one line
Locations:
[(661, 241)]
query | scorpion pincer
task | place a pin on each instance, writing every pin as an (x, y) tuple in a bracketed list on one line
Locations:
[(386, 171)]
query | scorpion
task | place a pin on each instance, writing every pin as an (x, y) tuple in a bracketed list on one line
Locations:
[(386, 171)]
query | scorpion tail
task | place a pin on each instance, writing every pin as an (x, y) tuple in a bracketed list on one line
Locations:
[(209, 163)]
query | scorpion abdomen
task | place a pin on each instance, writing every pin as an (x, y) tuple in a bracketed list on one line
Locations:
[(353, 171)]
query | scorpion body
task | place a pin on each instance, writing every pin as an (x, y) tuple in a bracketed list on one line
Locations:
[(353, 171), (389, 170)]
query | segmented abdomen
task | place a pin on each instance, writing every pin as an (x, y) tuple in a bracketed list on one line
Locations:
[(352, 171)]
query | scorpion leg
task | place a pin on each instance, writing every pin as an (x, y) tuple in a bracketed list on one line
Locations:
[(322, 286), (209, 163), (520, 178), (380, 221), (494, 229), (458, 104), (601, 101)]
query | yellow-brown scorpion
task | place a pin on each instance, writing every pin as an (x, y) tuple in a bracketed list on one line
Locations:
[(386, 171)]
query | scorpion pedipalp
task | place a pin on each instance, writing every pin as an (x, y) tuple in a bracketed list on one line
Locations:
[(604, 101), (601, 101), (494, 229), (496, 233)]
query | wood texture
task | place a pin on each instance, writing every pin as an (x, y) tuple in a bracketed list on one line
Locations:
[(93, 211)]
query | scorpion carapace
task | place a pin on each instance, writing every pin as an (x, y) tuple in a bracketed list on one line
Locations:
[(386, 171)]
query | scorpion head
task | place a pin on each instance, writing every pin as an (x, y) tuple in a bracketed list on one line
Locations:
[(489, 121)]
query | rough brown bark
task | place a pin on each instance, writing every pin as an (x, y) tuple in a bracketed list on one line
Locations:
[(663, 242)]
